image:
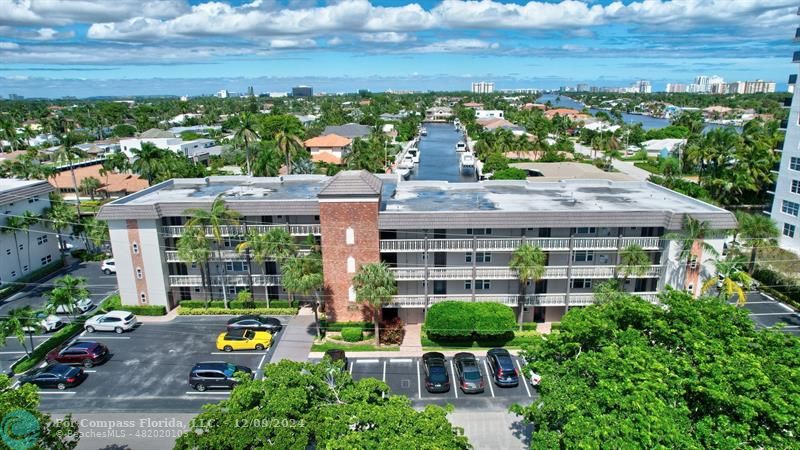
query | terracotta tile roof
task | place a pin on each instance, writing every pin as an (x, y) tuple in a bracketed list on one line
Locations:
[(117, 182), (473, 105), (328, 140), (327, 157)]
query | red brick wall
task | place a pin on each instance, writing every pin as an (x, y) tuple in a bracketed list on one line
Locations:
[(138, 261), (335, 218)]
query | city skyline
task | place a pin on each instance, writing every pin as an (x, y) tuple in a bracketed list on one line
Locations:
[(175, 47)]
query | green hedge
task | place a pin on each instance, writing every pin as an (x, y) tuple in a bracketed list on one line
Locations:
[(19, 283), (514, 339), (236, 311), (235, 304), (339, 326), (785, 289), (465, 320), (114, 302), (36, 357), (352, 334)]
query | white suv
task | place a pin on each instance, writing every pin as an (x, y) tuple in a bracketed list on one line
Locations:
[(108, 267), (79, 307), (116, 321)]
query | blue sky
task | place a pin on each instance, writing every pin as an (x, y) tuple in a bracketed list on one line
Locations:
[(54, 48)]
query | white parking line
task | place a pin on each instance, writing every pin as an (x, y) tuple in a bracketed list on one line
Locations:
[(419, 384), (488, 378), (524, 381), (238, 353), (774, 314), (402, 360), (261, 363), (383, 394), (352, 363), (367, 361), (81, 336), (226, 393), (453, 371), (12, 353), (57, 392), (89, 371)]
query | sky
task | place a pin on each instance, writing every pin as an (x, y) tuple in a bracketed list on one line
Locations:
[(82, 48)]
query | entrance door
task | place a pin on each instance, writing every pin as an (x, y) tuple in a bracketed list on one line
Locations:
[(439, 287)]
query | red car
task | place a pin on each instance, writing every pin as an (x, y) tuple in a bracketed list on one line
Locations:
[(85, 353)]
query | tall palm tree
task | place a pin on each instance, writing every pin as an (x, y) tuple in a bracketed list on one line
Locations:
[(13, 225), (66, 155), (67, 291), (528, 261), (90, 185), (694, 232), (8, 132), (60, 216), (16, 322), (149, 162), (96, 231), (731, 275), (633, 262), (289, 144), (245, 136), (375, 285), (29, 219), (214, 218), (759, 231), (303, 275), (194, 248)]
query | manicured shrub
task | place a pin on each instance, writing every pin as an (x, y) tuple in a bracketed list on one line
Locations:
[(392, 331), (237, 304), (115, 303), (338, 326), (236, 312), (469, 320), (352, 334)]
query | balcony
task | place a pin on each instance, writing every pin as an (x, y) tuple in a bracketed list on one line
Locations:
[(577, 299), (239, 230), (227, 255), (504, 273), (230, 280), (511, 244)]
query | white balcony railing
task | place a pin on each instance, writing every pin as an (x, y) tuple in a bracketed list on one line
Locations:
[(504, 273), (239, 230), (555, 299), (511, 244), (230, 280)]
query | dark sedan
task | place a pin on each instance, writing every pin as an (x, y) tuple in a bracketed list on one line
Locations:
[(436, 377), (502, 366), (335, 355), (59, 376), (468, 372), (215, 375), (85, 353), (255, 323)]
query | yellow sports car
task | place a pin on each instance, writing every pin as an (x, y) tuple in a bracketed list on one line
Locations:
[(243, 339)]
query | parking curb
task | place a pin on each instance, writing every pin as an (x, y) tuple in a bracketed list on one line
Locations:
[(407, 354)]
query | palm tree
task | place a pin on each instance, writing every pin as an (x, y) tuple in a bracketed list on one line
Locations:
[(214, 218), (633, 262), (29, 219), (731, 275), (375, 285), (194, 248), (90, 185), (276, 244), (759, 231), (528, 261), (15, 324), (67, 292), (60, 216), (65, 155), (150, 162), (694, 232), (303, 275), (13, 225), (8, 132), (96, 230), (289, 144), (245, 136)]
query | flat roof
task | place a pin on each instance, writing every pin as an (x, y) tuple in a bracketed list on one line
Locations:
[(7, 184), (558, 171)]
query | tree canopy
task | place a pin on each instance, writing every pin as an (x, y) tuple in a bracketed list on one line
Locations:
[(694, 373), (305, 405)]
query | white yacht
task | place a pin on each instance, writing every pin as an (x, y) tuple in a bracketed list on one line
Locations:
[(414, 152), (407, 162), (423, 131), (405, 173), (461, 146)]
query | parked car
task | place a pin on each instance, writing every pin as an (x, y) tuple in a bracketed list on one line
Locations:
[(46, 322), (116, 321), (108, 266), (335, 355), (436, 377), (468, 373), (79, 307), (256, 323), (243, 339), (85, 353), (59, 376), (215, 374), (502, 366)]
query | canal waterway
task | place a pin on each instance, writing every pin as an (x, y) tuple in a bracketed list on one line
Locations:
[(438, 159)]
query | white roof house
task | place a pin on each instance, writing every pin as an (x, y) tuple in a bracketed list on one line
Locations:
[(197, 149), (662, 146)]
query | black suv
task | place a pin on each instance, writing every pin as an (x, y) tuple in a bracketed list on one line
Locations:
[(215, 374), (468, 372), (256, 323), (502, 365), (436, 377)]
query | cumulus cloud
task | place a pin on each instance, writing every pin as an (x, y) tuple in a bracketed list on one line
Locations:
[(8, 45), (292, 43), (61, 12), (387, 36), (455, 46)]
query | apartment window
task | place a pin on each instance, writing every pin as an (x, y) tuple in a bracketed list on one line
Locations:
[(138, 273), (468, 257), (143, 297), (479, 231), (581, 283), (24, 269), (194, 265), (483, 257), (351, 294), (13, 273), (795, 186), (135, 248), (794, 163), (236, 266), (8, 251), (350, 236), (351, 264), (232, 290), (791, 208), (479, 285), (47, 260), (788, 230), (197, 290), (583, 256), (584, 230), (41, 240), (22, 247)]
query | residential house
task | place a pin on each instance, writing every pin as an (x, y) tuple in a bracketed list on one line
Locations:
[(329, 148)]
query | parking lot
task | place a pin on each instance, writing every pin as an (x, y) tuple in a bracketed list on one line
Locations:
[(149, 368), (767, 313), (405, 376)]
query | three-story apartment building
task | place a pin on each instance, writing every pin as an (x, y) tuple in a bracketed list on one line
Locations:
[(443, 241)]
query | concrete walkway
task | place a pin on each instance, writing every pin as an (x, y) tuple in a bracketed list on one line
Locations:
[(295, 344), (411, 340)]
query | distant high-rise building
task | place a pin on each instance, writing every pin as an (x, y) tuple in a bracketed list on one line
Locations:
[(16, 97), (676, 87), (482, 87), (642, 87), (223, 93), (786, 193), (759, 87), (184, 98), (251, 92), (708, 84), (582, 87), (302, 91), (737, 87)]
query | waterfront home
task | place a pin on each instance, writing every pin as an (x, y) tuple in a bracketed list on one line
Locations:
[(329, 148)]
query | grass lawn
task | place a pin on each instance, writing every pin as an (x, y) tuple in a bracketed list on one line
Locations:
[(355, 347)]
